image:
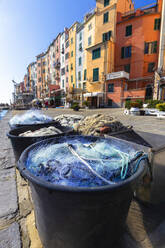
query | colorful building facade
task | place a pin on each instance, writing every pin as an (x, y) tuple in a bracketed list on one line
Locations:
[(32, 78), (64, 57), (100, 56), (136, 56), (72, 52)]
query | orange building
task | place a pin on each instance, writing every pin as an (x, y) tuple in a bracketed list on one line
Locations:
[(41, 82), (136, 55)]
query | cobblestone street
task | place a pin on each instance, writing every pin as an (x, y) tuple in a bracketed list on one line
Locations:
[(145, 226)]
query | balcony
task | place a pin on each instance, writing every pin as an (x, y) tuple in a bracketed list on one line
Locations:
[(117, 75), (57, 65)]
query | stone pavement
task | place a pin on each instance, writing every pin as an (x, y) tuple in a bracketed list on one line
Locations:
[(9, 211)]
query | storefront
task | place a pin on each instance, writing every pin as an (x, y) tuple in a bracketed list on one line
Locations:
[(95, 99)]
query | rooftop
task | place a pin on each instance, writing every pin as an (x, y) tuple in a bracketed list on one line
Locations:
[(147, 9)]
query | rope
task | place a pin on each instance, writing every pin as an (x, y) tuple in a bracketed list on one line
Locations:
[(89, 167), (124, 162)]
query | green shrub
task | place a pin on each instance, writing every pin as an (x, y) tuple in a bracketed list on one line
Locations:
[(135, 105), (86, 103), (75, 106), (153, 103), (140, 102), (161, 106), (128, 104)]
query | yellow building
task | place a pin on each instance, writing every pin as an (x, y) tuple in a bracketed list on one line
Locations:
[(100, 55), (89, 41), (72, 57)]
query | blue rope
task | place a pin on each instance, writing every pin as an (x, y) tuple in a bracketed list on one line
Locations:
[(145, 156)]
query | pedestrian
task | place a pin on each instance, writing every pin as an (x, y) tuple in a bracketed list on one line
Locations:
[(46, 105)]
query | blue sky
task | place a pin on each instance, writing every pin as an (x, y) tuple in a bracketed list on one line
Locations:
[(26, 29)]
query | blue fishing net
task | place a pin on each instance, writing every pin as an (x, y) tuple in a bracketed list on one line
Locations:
[(30, 117), (82, 163)]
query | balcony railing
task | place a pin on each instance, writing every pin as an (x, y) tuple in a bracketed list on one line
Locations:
[(57, 65)]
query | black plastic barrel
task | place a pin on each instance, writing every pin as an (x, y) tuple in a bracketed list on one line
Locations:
[(19, 144), (74, 217)]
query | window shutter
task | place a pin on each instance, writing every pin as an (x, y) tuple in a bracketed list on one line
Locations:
[(104, 37), (155, 47), (122, 52)]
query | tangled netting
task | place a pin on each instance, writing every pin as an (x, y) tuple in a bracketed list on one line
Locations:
[(80, 163), (30, 117)]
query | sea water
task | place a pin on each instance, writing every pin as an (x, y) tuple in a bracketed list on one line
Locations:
[(78, 162)]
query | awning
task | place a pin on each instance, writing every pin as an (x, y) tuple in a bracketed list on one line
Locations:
[(93, 94)]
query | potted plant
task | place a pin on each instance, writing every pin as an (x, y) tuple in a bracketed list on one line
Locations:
[(86, 104), (135, 110), (75, 106)]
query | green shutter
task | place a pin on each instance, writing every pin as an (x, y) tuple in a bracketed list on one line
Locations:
[(157, 24), (95, 74), (122, 52), (155, 43), (106, 17), (104, 37), (106, 3), (96, 53), (85, 74)]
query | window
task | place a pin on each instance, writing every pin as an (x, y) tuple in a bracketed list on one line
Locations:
[(71, 67), (66, 79), (80, 61), (85, 74), (89, 26), (150, 47), (63, 71), (67, 68), (125, 87), (43, 71), (110, 102), (80, 36), (106, 3), (110, 87), (39, 64), (89, 40), (96, 53), (95, 74), (157, 24), (151, 67), (71, 53), (67, 44), (73, 86), (72, 79), (62, 59), (107, 36), (106, 17), (128, 30), (44, 63), (66, 55), (126, 52), (84, 86), (62, 83), (39, 80), (79, 75), (80, 47), (71, 40), (127, 68)]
